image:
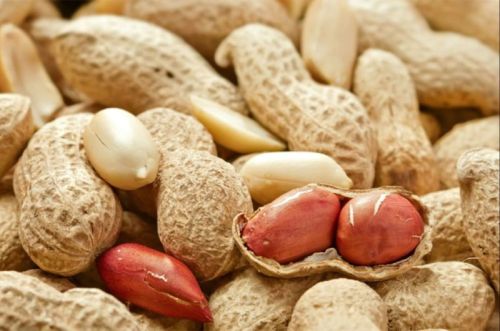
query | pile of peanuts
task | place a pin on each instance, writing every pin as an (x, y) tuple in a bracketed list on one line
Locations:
[(247, 165)]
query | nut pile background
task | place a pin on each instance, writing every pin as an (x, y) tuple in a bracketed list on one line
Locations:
[(153, 152)]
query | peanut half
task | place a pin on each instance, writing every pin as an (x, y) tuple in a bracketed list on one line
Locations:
[(232, 130), (329, 41), (269, 175), (121, 149), (14, 11), (22, 71)]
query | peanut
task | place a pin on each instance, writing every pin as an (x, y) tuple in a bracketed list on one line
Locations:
[(168, 68), (192, 225), (450, 295), (12, 254), (283, 97), (154, 322), (16, 128), (404, 155), (153, 280), (136, 229), (293, 226), (449, 242), (121, 149), (68, 215), (22, 71), (269, 175), (14, 11), (215, 19), (478, 19), (233, 130), (329, 41), (378, 228), (30, 304), (253, 302), (361, 259), (477, 171), (449, 70), (471, 134), (82, 107), (337, 305), (43, 9)]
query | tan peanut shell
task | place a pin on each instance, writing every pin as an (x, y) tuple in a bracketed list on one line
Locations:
[(471, 134), (296, 8), (475, 18), (6, 182), (198, 197), (449, 242), (156, 68), (14, 11), (214, 19), (171, 131), (12, 254), (253, 302), (59, 283), (404, 157), (338, 305), (478, 171), (283, 97), (329, 260), (449, 295), (431, 126), (68, 215), (16, 128), (449, 70), (30, 304), (153, 322)]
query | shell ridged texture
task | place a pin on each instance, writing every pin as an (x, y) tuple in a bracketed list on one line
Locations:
[(337, 305), (198, 197), (283, 97), (12, 254), (253, 302), (405, 156), (471, 134), (172, 131), (16, 128), (478, 174), (29, 304), (449, 70), (448, 295), (449, 242), (68, 215), (215, 19), (134, 65)]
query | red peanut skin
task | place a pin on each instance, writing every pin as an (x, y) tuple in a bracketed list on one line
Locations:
[(153, 280), (370, 237), (295, 225)]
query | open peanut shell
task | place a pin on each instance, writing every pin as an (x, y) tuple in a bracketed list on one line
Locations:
[(330, 260)]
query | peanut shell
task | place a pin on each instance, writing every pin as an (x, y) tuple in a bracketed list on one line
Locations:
[(68, 215), (478, 171), (283, 97), (449, 295), (156, 68)]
